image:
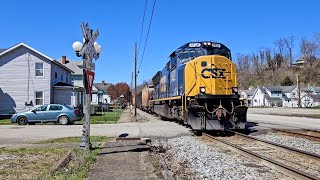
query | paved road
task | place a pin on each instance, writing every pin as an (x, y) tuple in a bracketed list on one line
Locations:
[(285, 121), (284, 111), (15, 134)]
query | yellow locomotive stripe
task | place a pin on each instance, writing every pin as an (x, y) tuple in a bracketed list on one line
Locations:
[(165, 99)]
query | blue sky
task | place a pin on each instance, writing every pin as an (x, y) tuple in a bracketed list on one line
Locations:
[(244, 26)]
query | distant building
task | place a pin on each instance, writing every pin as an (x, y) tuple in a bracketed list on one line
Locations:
[(299, 63), (247, 95), (76, 79), (100, 93), (310, 100)]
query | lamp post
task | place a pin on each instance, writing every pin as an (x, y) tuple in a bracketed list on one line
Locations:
[(89, 50)]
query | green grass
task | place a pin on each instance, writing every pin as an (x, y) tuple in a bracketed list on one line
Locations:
[(105, 118), (29, 163), (5, 122), (73, 140)]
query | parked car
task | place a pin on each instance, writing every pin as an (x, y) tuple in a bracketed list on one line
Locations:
[(48, 113)]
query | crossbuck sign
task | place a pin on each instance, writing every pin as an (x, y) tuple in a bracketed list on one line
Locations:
[(90, 37)]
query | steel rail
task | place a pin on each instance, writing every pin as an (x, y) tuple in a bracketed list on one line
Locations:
[(297, 128), (285, 169), (300, 134), (280, 146)]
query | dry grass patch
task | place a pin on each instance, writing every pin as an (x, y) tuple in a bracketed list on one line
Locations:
[(29, 163)]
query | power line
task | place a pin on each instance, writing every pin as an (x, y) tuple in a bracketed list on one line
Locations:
[(145, 44), (144, 14)]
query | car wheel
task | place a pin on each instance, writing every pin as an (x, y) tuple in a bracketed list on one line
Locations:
[(63, 120), (22, 120), (31, 123)]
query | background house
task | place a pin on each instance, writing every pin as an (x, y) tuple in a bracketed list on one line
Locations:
[(76, 80), (29, 77), (247, 95), (100, 94)]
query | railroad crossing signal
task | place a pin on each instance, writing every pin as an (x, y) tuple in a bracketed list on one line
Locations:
[(88, 52)]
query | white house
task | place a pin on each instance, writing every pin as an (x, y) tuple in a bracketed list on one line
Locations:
[(269, 96), (100, 93), (247, 95), (310, 100), (29, 77)]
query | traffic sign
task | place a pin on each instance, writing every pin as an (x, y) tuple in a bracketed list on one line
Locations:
[(90, 79)]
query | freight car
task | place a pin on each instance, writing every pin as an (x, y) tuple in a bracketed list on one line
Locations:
[(198, 87), (144, 97)]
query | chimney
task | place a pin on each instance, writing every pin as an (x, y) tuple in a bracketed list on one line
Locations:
[(103, 83), (64, 59)]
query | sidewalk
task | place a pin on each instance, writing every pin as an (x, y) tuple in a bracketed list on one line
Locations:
[(126, 116), (125, 158)]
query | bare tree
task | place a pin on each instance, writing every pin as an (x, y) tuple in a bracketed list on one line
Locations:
[(288, 42), (308, 49)]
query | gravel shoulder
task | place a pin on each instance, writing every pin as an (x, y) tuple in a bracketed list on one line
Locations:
[(189, 158)]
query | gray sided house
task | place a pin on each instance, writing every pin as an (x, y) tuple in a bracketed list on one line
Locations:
[(76, 79), (29, 77)]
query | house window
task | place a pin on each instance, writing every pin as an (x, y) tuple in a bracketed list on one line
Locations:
[(39, 69), (61, 77), (66, 77), (39, 98), (56, 75)]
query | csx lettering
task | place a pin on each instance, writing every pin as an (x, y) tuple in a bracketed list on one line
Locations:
[(214, 73)]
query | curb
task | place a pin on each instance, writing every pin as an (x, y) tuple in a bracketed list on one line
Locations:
[(63, 161)]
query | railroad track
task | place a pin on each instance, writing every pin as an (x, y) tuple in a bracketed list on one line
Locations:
[(287, 126), (303, 133), (289, 161)]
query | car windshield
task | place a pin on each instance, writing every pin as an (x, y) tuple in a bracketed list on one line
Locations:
[(219, 51), (188, 55)]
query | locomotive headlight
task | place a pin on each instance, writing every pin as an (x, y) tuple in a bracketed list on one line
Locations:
[(202, 89)]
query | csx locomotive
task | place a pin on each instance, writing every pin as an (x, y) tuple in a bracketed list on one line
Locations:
[(198, 87)]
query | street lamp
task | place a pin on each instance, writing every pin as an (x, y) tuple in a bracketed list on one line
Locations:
[(77, 46), (88, 50)]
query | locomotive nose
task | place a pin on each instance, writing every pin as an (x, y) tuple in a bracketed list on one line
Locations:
[(215, 74)]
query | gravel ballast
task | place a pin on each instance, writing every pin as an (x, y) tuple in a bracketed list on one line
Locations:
[(211, 161), (294, 142)]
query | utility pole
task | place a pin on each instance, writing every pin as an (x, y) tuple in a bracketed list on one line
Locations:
[(131, 89), (299, 95), (135, 79)]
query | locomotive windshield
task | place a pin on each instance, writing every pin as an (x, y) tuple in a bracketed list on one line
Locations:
[(193, 50)]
